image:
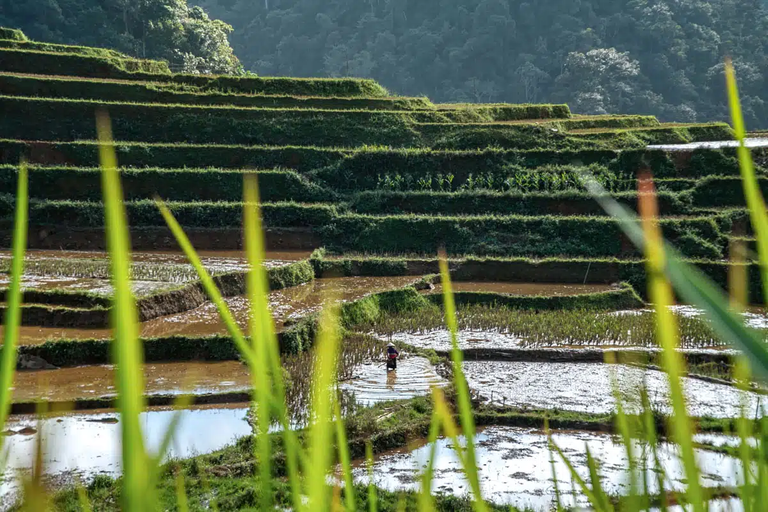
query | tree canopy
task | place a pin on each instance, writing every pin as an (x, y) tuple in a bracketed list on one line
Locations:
[(662, 57), (158, 29)]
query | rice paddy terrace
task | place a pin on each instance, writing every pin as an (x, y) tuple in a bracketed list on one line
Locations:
[(359, 189)]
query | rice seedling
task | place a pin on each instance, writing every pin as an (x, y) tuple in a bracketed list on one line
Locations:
[(551, 328)]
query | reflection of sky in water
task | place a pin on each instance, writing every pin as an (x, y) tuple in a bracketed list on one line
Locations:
[(77, 443), (752, 142), (372, 383), (587, 387), (514, 465), (440, 339)]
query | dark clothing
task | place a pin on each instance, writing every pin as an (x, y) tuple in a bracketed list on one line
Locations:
[(392, 354)]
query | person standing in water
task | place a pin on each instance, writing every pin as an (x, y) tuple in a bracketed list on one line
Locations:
[(392, 354)]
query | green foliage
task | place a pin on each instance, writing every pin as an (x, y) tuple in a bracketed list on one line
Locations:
[(12, 34), (508, 235), (469, 112), (67, 119), (86, 51), (520, 137), (599, 57), (210, 91), (625, 298), (81, 184), (193, 214), (138, 154), (72, 64), (169, 30), (476, 202)]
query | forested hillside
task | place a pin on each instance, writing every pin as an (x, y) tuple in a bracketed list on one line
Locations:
[(661, 57), (157, 29)]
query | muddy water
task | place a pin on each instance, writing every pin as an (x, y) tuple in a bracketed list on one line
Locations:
[(514, 466), (536, 289), (89, 444), (371, 383), (587, 387), (440, 339), (289, 303), (68, 384)]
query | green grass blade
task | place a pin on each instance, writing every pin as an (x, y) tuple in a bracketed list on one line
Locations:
[(693, 287), (268, 349), (594, 477), (426, 503), (372, 498), (755, 201), (660, 293), (181, 493), (82, 498), (593, 499), (321, 430), (622, 425), (346, 464), (128, 352), (742, 377), (207, 281), (460, 382), (558, 497), (13, 299), (181, 403), (261, 326)]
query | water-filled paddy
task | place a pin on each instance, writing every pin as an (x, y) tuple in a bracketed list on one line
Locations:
[(89, 444), (288, 303), (95, 381), (514, 467), (371, 383), (587, 387)]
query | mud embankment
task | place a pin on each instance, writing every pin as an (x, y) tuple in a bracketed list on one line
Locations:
[(179, 300)]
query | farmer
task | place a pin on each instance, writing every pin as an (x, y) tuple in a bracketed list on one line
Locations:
[(392, 354)]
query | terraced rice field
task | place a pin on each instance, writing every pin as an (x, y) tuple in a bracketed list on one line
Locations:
[(359, 190)]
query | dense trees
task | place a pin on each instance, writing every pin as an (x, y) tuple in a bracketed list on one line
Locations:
[(160, 29), (660, 57)]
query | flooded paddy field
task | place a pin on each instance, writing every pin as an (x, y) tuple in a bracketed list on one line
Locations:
[(103, 287), (588, 388), (67, 384), (371, 383), (514, 467), (289, 303), (88, 444)]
